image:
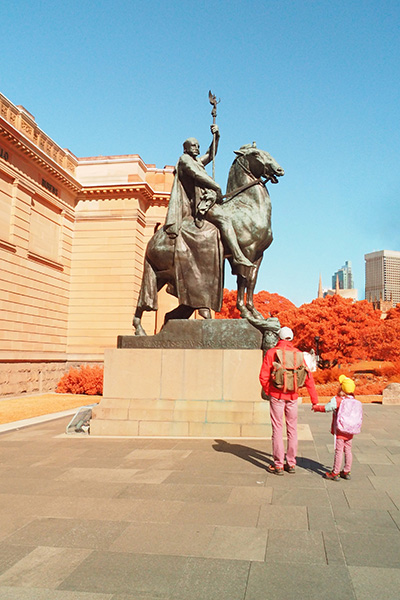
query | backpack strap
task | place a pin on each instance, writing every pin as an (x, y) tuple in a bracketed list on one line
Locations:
[(284, 371), (295, 371)]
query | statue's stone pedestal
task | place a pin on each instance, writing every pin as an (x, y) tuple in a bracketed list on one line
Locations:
[(178, 391)]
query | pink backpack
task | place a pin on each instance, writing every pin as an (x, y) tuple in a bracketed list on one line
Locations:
[(349, 415)]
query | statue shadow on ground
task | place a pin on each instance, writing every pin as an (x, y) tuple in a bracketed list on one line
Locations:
[(264, 459)]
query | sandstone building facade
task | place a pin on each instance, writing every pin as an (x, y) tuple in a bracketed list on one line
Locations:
[(73, 232)]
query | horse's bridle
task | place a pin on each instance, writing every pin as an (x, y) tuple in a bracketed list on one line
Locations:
[(256, 180)]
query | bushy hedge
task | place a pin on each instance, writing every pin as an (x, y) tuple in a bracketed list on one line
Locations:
[(85, 380)]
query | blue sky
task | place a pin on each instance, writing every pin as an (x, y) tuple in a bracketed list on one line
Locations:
[(315, 83)]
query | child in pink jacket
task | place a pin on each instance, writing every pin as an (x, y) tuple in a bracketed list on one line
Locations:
[(343, 441)]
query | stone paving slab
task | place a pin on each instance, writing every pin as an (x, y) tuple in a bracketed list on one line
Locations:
[(174, 577), (69, 533), (171, 519), (306, 581), (178, 539), (283, 517), (44, 567), (370, 583), (364, 521), (371, 550), (295, 547)]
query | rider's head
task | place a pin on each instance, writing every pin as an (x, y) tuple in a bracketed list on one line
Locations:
[(192, 147)]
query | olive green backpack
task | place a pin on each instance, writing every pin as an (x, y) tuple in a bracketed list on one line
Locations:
[(289, 370)]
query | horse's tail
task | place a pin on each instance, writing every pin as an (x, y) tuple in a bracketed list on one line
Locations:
[(147, 299)]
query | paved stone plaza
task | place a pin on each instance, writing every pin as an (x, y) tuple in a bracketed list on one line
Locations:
[(186, 519)]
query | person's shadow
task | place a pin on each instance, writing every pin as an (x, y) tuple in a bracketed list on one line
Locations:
[(264, 459), (255, 457)]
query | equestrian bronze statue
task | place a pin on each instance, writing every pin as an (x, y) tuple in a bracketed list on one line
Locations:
[(203, 227)]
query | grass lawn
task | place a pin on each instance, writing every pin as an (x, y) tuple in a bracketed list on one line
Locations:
[(27, 407)]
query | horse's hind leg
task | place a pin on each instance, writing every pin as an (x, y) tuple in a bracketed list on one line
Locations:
[(241, 287)]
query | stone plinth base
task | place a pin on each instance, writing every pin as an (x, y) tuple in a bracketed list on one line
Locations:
[(204, 333), (182, 392)]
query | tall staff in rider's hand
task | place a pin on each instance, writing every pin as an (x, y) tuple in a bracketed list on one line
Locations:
[(213, 101)]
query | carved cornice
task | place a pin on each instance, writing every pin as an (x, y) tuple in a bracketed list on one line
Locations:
[(22, 180), (45, 162), (21, 120), (141, 190)]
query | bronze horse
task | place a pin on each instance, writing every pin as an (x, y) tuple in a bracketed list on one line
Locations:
[(248, 207)]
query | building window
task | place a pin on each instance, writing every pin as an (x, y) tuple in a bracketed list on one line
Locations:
[(6, 206), (45, 231)]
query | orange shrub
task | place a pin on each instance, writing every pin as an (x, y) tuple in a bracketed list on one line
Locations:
[(327, 375), (386, 369), (85, 380)]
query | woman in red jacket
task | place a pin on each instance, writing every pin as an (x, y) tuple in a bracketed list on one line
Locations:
[(283, 403)]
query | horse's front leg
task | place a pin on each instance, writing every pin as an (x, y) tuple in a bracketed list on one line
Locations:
[(240, 304), (205, 313), (251, 284)]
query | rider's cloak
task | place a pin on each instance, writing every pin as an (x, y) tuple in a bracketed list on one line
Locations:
[(198, 252)]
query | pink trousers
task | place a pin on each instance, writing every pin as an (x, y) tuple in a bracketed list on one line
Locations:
[(278, 408), (343, 446)]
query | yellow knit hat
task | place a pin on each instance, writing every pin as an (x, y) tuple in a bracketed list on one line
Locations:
[(347, 384)]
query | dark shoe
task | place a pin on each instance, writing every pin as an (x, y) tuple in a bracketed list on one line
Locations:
[(274, 470), (345, 475), (332, 476), (290, 469)]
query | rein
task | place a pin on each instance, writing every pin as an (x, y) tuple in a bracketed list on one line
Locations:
[(231, 195)]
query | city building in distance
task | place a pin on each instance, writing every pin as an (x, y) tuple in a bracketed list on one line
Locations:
[(382, 277), (342, 284), (344, 277)]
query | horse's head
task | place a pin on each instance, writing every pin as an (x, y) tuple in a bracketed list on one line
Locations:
[(259, 163)]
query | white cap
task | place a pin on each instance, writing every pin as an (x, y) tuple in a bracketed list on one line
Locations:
[(286, 333)]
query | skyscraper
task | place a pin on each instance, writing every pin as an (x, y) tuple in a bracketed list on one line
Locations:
[(382, 276), (344, 277)]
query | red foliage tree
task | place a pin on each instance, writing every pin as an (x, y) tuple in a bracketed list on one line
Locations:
[(382, 342), (266, 303), (338, 322), (394, 313), (271, 304), (228, 310), (347, 330)]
